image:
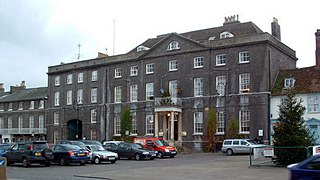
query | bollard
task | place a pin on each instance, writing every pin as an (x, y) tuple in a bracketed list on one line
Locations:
[(3, 168)]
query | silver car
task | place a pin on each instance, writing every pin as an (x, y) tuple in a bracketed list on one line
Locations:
[(239, 146), (98, 154)]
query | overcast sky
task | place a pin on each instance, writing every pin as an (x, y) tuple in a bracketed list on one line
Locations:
[(35, 34)]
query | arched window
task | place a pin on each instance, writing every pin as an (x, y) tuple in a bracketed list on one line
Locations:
[(174, 45), (226, 34)]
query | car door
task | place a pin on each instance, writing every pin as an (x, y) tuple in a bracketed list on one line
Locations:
[(56, 152), (129, 153), (244, 147), (121, 150), (12, 153), (236, 146)]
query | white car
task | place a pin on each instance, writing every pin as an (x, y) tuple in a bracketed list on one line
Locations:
[(239, 146), (98, 154)]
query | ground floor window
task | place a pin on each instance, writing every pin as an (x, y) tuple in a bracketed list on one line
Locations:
[(244, 121), (149, 124), (220, 122), (198, 122), (117, 126)]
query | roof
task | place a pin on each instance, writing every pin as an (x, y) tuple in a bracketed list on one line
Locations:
[(202, 36), (26, 95), (307, 80)]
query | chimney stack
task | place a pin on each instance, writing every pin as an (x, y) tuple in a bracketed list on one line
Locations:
[(275, 29), (318, 48), (1, 88)]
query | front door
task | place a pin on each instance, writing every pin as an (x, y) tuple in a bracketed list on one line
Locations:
[(74, 129)]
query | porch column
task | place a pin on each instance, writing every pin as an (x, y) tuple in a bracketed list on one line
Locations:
[(180, 127), (156, 125), (164, 121), (172, 126)]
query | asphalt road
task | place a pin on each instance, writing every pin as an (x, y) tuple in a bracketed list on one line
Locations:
[(193, 166)]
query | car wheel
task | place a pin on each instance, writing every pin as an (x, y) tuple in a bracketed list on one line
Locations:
[(137, 157), (96, 160), (112, 162), (229, 152), (62, 161), (25, 162), (160, 154), (48, 153)]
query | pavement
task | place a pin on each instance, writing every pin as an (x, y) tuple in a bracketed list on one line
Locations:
[(226, 167)]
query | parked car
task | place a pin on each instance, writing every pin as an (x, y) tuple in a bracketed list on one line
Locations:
[(308, 169), (136, 151), (157, 144), (4, 148), (28, 153), (73, 142), (98, 154), (68, 153), (111, 145), (91, 142), (239, 146)]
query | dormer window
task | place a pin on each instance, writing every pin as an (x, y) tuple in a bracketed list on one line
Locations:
[(289, 82), (174, 45), (226, 34), (142, 48)]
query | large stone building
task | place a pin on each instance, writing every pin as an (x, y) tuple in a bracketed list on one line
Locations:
[(23, 113), (169, 83)]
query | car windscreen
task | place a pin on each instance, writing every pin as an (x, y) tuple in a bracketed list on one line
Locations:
[(97, 148), (137, 146), (252, 142), (5, 147), (158, 143), (72, 147), (40, 146)]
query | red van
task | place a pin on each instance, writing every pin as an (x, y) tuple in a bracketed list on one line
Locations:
[(157, 145)]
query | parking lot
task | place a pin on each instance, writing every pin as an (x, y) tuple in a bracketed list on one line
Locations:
[(184, 166)]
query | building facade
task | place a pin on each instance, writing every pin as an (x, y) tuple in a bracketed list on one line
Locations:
[(23, 113), (169, 83)]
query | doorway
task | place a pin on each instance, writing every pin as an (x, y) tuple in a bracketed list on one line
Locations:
[(74, 129)]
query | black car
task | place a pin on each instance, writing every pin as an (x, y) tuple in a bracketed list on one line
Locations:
[(28, 153), (67, 153), (136, 151), (73, 142)]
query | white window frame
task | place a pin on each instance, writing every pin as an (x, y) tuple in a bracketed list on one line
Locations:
[(174, 45), (94, 75), (244, 57), (41, 122), (313, 103), (117, 72), (69, 97), (134, 93), (149, 124), (221, 83), (93, 115), (80, 77), (31, 122), (150, 68), (134, 130), (221, 60), (173, 86), (220, 123), (173, 65), (31, 105), (226, 34), (57, 99), (198, 87), (117, 126), (80, 96), (117, 94), (20, 122), (20, 105), (244, 122), (149, 91), (57, 81), (69, 79), (56, 119), (198, 62), (134, 70), (289, 82), (198, 123), (41, 104), (94, 95), (244, 82)]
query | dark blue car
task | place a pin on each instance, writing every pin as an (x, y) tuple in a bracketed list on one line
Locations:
[(67, 153), (308, 169), (4, 148)]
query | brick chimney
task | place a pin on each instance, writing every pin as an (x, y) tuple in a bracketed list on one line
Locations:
[(275, 29), (1, 88), (318, 48), (20, 87)]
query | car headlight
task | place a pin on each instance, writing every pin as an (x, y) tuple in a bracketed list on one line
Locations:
[(145, 153), (166, 150)]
